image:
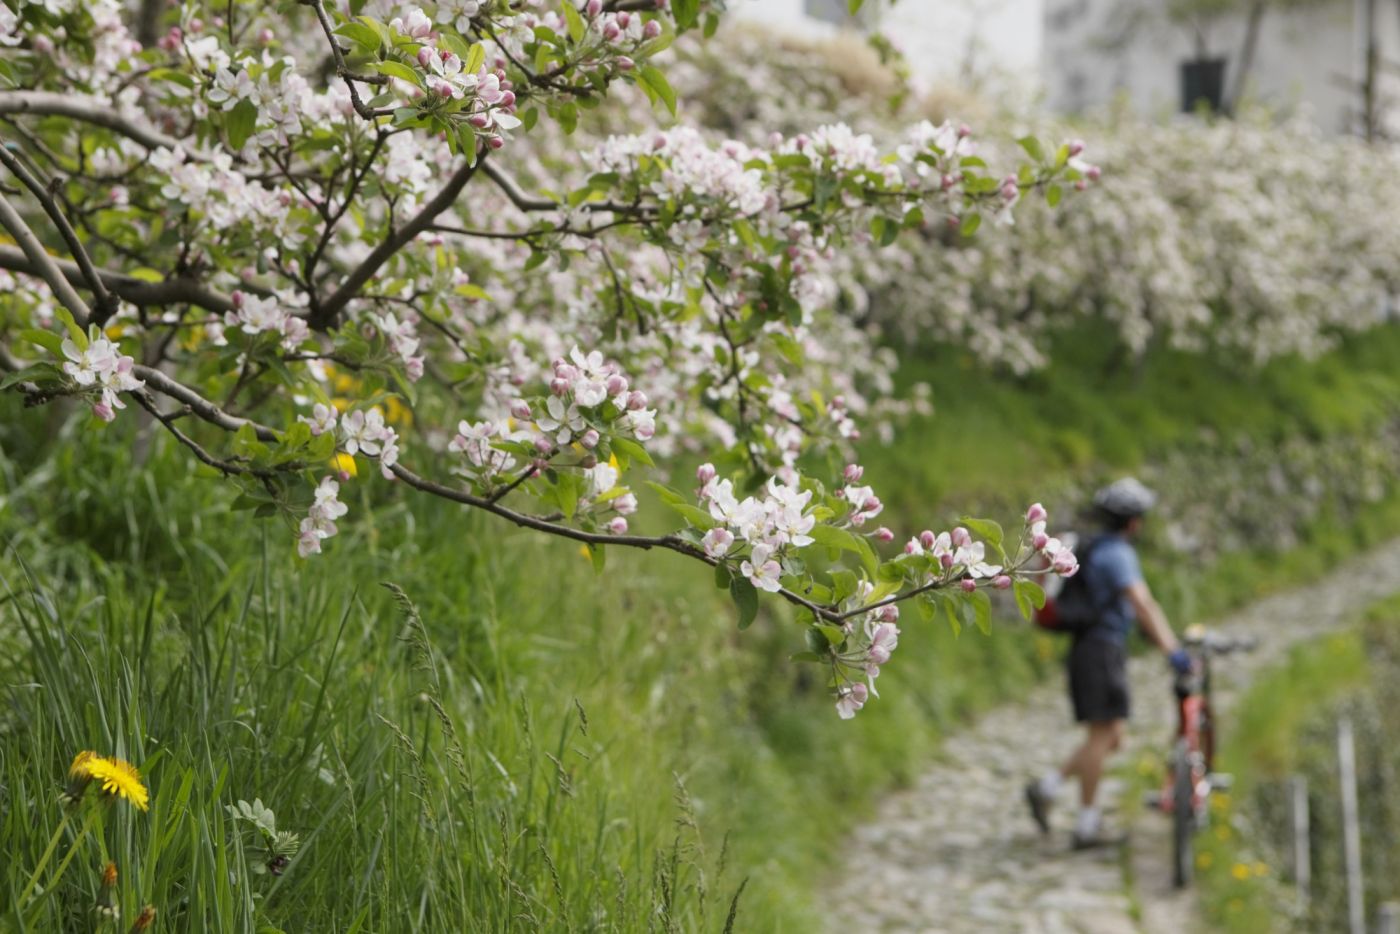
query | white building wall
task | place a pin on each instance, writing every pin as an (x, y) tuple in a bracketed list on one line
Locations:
[(1097, 50)]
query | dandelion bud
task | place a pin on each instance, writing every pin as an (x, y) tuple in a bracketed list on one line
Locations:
[(967, 584), (145, 919), (927, 538), (589, 439), (521, 410), (1001, 582), (625, 64), (853, 473), (883, 534), (1035, 514), (1039, 541), (961, 537), (618, 525), (652, 29), (705, 473)]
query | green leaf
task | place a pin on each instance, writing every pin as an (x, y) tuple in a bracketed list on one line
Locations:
[(1032, 147), (1029, 597), (633, 450), (686, 12), (43, 372), (476, 57), (694, 515), (667, 494), (723, 576), (1053, 194), (398, 70), (746, 599), (805, 657), (835, 635), (981, 605), (832, 537), (986, 529), (360, 34), (652, 77), (970, 224), (75, 332), (48, 340), (950, 610), (566, 494), (574, 22), (600, 558), (853, 6), (240, 123), (844, 584)]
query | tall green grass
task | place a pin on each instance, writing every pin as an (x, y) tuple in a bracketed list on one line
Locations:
[(532, 747)]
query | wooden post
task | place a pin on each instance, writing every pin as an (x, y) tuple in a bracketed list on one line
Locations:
[(1351, 827), (1302, 844)]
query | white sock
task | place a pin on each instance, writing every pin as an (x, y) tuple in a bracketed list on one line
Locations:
[(1049, 784), (1087, 824)]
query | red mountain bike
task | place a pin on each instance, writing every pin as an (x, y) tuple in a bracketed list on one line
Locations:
[(1190, 777)]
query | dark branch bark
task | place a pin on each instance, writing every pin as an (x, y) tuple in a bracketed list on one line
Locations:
[(44, 265), (173, 291)]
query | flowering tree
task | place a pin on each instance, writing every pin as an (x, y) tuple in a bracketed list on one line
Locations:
[(287, 232)]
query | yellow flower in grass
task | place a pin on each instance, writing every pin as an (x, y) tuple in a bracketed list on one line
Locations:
[(1204, 860), (344, 463), (1240, 871), (78, 771), (120, 780)]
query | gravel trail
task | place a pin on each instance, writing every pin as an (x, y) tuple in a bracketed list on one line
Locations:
[(958, 851)]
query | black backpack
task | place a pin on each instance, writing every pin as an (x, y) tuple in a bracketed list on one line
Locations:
[(1073, 610)]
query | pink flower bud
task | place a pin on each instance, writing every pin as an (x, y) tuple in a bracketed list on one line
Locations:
[(947, 182), (589, 439), (443, 89), (196, 25), (618, 525), (953, 221), (236, 297), (652, 29), (1036, 513), (1002, 582), (521, 410), (1093, 172), (853, 473), (611, 31), (964, 131), (961, 537), (1040, 541), (1076, 146), (946, 559), (594, 7), (1010, 191), (883, 534), (705, 473), (544, 446), (636, 400), (927, 538), (1065, 563), (624, 19), (559, 387), (495, 142), (508, 98), (479, 120), (888, 613), (616, 384), (625, 64), (1081, 185), (425, 56), (344, 476), (265, 36), (967, 584), (871, 505)]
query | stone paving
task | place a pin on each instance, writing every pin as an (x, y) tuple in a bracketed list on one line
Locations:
[(958, 852)]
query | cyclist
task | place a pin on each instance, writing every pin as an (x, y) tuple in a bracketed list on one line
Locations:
[(1098, 659)]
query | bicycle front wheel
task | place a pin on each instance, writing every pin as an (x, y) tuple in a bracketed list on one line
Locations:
[(1183, 816)]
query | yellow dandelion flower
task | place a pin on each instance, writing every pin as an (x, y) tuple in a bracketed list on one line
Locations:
[(109, 875), (145, 919), (120, 779), (396, 413), (1261, 869), (1205, 860), (1240, 871), (79, 768), (612, 461), (344, 463), (1234, 905)]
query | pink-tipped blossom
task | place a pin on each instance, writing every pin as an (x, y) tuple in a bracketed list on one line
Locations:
[(882, 534), (852, 699), (617, 525), (1036, 514), (1001, 582), (717, 542)]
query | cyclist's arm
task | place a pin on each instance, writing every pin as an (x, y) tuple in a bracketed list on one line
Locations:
[(1151, 618)]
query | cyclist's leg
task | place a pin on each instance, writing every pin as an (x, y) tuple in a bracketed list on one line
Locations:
[(1102, 739)]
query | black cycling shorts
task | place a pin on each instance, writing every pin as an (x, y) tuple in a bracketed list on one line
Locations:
[(1098, 680)]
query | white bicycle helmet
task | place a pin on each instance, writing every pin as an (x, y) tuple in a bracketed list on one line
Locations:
[(1125, 498)]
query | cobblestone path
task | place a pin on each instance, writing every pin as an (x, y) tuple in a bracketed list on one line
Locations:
[(958, 851)]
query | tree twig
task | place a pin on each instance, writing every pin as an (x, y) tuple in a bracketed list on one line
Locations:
[(43, 264)]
